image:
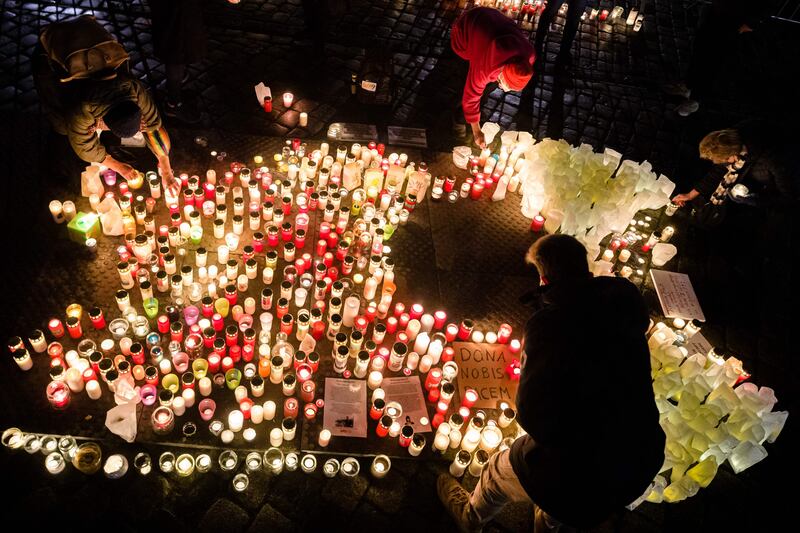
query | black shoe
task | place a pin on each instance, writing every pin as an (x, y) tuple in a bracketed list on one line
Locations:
[(186, 113)]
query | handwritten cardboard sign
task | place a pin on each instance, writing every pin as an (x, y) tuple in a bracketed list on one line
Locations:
[(676, 294), (482, 367)]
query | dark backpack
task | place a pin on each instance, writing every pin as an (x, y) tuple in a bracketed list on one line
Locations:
[(375, 80), (81, 48)]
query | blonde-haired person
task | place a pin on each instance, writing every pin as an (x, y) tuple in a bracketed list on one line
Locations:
[(756, 168)]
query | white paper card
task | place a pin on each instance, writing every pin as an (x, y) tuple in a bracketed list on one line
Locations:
[(262, 91), (407, 391), (676, 294), (698, 344), (346, 407)]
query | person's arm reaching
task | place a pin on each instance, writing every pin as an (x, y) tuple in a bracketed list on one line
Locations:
[(471, 104)]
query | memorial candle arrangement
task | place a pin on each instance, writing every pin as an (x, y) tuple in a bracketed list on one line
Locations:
[(251, 310)]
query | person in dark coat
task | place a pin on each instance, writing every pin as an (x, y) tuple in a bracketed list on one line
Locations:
[(585, 398), (179, 39), (754, 167), (575, 9)]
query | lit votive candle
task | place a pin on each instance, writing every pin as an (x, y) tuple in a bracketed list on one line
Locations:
[(324, 437), (380, 466), (303, 120), (57, 211), (275, 437), (308, 463), (184, 465), (288, 99), (269, 410), (55, 463), (116, 466), (235, 420)]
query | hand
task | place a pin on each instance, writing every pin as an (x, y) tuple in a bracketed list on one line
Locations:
[(744, 28), (480, 140), (681, 199), (126, 171), (171, 185)]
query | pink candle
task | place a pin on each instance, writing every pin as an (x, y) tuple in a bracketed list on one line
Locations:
[(58, 394)]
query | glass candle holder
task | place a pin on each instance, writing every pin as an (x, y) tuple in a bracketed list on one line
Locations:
[(380, 466), (240, 482), (252, 462), (163, 420), (203, 463), (58, 395), (166, 462), (115, 466), (55, 463), (228, 460), (331, 467), (274, 460), (87, 458), (142, 463)]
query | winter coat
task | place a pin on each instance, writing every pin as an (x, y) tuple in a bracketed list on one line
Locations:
[(586, 400)]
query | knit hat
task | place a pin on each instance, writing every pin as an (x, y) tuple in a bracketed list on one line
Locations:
[(124, 118), (517, 73)]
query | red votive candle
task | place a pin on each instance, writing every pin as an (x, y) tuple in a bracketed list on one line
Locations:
[(214, 360), (469, 398), (537, 223), (56, 328), (465, 329), (439, 318), (504, 333), (434, 378), (451, 332), (97, 318), (290, 408), (307, 390)]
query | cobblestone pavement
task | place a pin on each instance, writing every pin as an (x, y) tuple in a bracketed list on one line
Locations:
[(611, 97)]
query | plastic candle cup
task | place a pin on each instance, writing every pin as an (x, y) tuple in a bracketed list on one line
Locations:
[(288, 99)]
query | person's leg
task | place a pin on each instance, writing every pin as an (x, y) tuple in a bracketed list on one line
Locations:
[(571, 25), (175, 73), (543, 26), (497, 486)]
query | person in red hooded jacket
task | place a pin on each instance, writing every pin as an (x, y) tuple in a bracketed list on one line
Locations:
[(497, 50)]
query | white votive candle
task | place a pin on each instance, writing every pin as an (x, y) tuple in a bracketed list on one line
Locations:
[(324, 437), (374, 380), (288, 99), (275, 437), (188, 397), (93, 389), (204, 385), (235, 420), (257, 414), (303, 121), (57, 210), (269, 410)]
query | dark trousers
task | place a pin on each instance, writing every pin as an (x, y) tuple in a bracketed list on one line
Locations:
[(576, 9)]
